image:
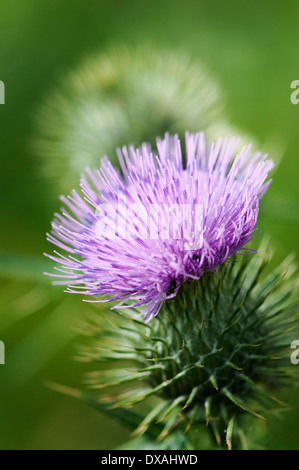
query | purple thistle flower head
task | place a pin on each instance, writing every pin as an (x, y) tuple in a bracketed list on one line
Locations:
[(139, 233)]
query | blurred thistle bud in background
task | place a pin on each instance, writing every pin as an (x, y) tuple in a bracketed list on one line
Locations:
[(123, 97)]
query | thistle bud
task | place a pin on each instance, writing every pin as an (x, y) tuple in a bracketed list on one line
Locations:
[(216, 352)]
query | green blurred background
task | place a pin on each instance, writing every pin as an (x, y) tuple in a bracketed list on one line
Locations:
[(251, 47)]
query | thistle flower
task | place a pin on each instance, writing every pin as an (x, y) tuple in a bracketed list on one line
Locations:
[(167, 219)]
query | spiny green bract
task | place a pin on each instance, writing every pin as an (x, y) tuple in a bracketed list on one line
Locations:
[(215, 353)]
